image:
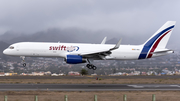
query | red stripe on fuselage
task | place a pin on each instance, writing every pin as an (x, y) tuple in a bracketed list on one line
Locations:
[(156, 44)]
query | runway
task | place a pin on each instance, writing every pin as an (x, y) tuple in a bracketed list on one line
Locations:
[(88, 87)]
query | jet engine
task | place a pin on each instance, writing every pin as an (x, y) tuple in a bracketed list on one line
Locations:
[(74, 59)]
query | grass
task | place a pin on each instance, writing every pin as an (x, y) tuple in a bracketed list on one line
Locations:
[(89, 96)]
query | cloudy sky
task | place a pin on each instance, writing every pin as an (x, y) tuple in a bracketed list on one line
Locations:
[(130, 17)]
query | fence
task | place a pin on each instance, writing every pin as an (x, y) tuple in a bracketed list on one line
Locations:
[(95, 98)]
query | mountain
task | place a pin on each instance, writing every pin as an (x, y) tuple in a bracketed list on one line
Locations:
[(71, 35), (75, 35)]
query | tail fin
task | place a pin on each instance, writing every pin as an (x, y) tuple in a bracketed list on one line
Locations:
[(158, 40)]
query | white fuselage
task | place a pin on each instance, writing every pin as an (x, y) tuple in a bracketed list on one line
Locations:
[(44, 49)]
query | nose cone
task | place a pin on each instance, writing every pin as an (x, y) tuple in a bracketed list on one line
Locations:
[(5, 52)]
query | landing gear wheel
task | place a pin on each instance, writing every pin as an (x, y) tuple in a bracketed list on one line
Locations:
[(24, 64), (23, 60), (94, 67), (89, 66)]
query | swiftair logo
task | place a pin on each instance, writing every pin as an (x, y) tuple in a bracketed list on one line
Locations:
[(72, 48), (64, 48)]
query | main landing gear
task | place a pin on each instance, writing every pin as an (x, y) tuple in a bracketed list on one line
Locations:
[(23, 60), (91, 66)]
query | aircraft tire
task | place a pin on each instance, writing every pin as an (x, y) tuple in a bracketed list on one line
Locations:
[(94, 67), (89, 66), (24, 64)]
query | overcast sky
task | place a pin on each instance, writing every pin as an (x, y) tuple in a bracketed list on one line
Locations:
[(130, 17)]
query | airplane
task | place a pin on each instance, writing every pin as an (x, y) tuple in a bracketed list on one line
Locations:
[(75, 53)]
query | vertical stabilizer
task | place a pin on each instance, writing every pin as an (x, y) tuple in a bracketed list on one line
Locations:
[(158, 40)]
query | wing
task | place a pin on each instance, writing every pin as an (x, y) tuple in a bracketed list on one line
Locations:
[(98, 54)]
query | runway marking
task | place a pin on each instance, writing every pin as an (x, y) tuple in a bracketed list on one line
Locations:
[(136, 86), (153, 86), (175, 85)]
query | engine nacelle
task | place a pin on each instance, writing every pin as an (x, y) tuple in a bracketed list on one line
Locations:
[(74, 59)]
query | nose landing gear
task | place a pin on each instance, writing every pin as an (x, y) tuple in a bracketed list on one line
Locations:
[(23, 60)]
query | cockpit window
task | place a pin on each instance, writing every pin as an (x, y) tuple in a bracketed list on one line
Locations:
[(11, 47)]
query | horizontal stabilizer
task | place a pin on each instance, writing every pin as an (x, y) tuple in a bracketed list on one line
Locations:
[(160, 52)]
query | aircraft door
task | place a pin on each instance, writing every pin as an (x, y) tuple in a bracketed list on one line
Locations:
[(17, 48)]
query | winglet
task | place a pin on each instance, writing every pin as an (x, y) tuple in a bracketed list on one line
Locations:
[(117, 45), (104, 40)]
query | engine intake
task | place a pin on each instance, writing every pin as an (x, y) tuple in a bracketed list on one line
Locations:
[(74, 59)]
